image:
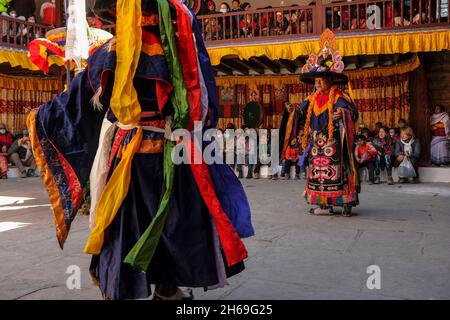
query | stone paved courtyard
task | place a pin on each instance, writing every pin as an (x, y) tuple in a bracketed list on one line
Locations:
[(405, 230)]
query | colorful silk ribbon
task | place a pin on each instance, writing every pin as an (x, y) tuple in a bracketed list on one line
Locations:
[(124, 100), (142, 253), (113, 195)]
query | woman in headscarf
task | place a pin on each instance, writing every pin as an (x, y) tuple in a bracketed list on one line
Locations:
[(440, 133)]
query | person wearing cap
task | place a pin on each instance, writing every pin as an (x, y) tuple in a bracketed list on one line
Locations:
[(327, 117)]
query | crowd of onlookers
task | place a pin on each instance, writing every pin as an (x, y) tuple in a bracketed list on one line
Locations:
[(250, 24), (386, 148), (347, 17), (375, 151), (25, 11), (16, 150)]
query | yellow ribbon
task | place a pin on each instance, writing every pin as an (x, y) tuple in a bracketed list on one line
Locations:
[(113, 195), (124, 100)]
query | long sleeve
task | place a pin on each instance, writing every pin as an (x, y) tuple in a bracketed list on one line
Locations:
[(398, 149), (64, 134)]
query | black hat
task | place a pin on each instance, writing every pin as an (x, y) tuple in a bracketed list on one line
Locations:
[(334, 77)]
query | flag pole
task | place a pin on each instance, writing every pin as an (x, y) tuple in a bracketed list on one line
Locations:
[(66, 14)]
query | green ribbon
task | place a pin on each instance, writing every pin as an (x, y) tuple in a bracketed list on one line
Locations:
[(142, 253), (179, 95)]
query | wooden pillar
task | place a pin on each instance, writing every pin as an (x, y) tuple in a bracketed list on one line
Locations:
[(318, 17), (59, 7), (420, 108)]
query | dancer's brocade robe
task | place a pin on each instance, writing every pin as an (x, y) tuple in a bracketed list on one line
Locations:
[(332, 176), (208, 213)]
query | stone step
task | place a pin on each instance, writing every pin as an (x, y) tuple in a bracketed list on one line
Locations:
[(13, 172)]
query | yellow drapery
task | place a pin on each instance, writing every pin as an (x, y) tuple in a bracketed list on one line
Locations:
[(28, 83), (17, 59), (361, 44), (19, 95)]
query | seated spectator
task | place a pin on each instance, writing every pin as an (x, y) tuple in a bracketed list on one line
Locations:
[(27, 33), (21, 155), (367, 134), (365, 157), (5, 142), (378, 126), (224, 26), (211, 7), (361, 22), (391, 13), (333, 18), (48, 13), (11, 28), (292, 155), (236, 7), (210, 25), (383, 145), (281, 25), (267, 22), (394, 135), (408, 147), (93, 21), (247, 26), (246, 6)]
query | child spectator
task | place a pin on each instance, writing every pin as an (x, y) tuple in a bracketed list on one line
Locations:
[(5, 142), (383, 145), (408, 147), (394, 136), (365, 157), (367, 134), (93, 21), (292, 155)]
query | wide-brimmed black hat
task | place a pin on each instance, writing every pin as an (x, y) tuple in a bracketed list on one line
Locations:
[(334, 77)]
